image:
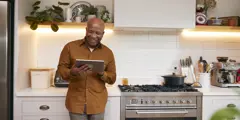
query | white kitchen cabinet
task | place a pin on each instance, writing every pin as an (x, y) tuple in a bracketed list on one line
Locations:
[(112, 111), (46, 117), (154, 13), (53, 108), (213, 103)]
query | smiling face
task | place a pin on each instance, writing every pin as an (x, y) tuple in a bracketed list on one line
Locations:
[(94, 32)]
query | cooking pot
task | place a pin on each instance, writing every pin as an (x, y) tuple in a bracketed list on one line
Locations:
[(174, 80)]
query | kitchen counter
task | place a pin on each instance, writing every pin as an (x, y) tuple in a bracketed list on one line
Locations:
[(54, 91), (213, 90), (114, 91)]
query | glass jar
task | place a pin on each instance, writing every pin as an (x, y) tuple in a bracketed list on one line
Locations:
[(124, 81)]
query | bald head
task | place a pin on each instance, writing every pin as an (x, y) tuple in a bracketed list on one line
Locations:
[(95, 21), (94, 32)]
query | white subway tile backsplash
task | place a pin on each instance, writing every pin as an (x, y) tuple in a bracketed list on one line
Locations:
[(190, 44), (211, 45), (163, 36), (210, 55), (228, 45), (143, 57), (228, 53)]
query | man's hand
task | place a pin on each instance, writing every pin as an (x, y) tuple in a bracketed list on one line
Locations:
[(76, 71), (101, 73)]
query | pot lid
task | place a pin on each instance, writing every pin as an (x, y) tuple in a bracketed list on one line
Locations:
[(174, 75)]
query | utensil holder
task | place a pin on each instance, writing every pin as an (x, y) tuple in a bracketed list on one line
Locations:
[(205, 80)]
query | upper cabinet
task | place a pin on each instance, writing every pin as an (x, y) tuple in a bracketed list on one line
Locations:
[(154, 13)]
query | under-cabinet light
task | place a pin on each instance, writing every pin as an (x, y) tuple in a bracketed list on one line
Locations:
[(66, 30), (210, 33)]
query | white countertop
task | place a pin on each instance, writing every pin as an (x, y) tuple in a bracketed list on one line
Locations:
[(114, 91), (54, 91), (213, 90)]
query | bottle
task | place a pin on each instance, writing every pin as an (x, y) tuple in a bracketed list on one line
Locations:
[(238, 77)]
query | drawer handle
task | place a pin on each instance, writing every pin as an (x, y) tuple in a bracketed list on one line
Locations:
[(44, 119), (44, 107), (231, 105)]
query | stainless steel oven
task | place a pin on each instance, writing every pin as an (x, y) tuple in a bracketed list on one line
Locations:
[(161, 106)]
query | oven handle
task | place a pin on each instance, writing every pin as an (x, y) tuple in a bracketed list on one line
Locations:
[(163, 112), (158, 107)]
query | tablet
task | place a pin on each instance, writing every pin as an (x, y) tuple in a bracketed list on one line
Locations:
[(94, 65)]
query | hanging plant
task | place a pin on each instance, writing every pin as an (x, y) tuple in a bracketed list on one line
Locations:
[(52, 15)]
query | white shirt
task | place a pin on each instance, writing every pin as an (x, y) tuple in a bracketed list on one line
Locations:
[(91, 49)]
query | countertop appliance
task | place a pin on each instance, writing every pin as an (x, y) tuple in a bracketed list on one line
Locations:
[(59, 81), (225, 74), (6, 59), (157, 102)]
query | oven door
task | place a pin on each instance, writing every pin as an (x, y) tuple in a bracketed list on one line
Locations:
[(161, 114)]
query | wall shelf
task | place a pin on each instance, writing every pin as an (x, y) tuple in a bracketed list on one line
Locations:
[(75, 25), (216, 29), (198, 28)]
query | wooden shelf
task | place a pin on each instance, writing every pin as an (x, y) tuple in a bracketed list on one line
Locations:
[(216, 29), (75, 25), (111, 26)]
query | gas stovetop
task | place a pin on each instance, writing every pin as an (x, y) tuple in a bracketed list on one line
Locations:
[(156, 88)]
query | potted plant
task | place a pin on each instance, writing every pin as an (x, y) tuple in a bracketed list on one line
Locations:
[(52, 15), (230, 112), (105, 16), (90, 12)]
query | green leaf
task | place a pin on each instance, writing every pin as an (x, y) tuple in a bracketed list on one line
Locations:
[(45, 18), (63, 3), (225, 113), (57, 8), (32, 12), (57, 11), (57, 20), (54, 27), (36, 8), (30, 19), (34, 26), (231, 105), (36, 3)]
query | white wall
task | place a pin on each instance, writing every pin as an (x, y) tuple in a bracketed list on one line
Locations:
[(144, 56), (141, 56), (24, 41)]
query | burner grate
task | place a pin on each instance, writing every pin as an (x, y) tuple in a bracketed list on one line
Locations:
[(156, 88)]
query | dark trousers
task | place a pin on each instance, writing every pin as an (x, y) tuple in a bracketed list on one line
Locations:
[(84, 116)]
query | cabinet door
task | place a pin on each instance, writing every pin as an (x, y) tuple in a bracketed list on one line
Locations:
[(154, 13), (217, 103), (59, 117), (39, 118), (112, 111)]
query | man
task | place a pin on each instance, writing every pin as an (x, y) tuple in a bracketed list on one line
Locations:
[(87, 95)]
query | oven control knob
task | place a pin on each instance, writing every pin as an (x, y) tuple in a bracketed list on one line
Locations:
[(189, 101), (182, 101), (175, 101), (161, 102), (168, 101), (153, 102), (146, 102)]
